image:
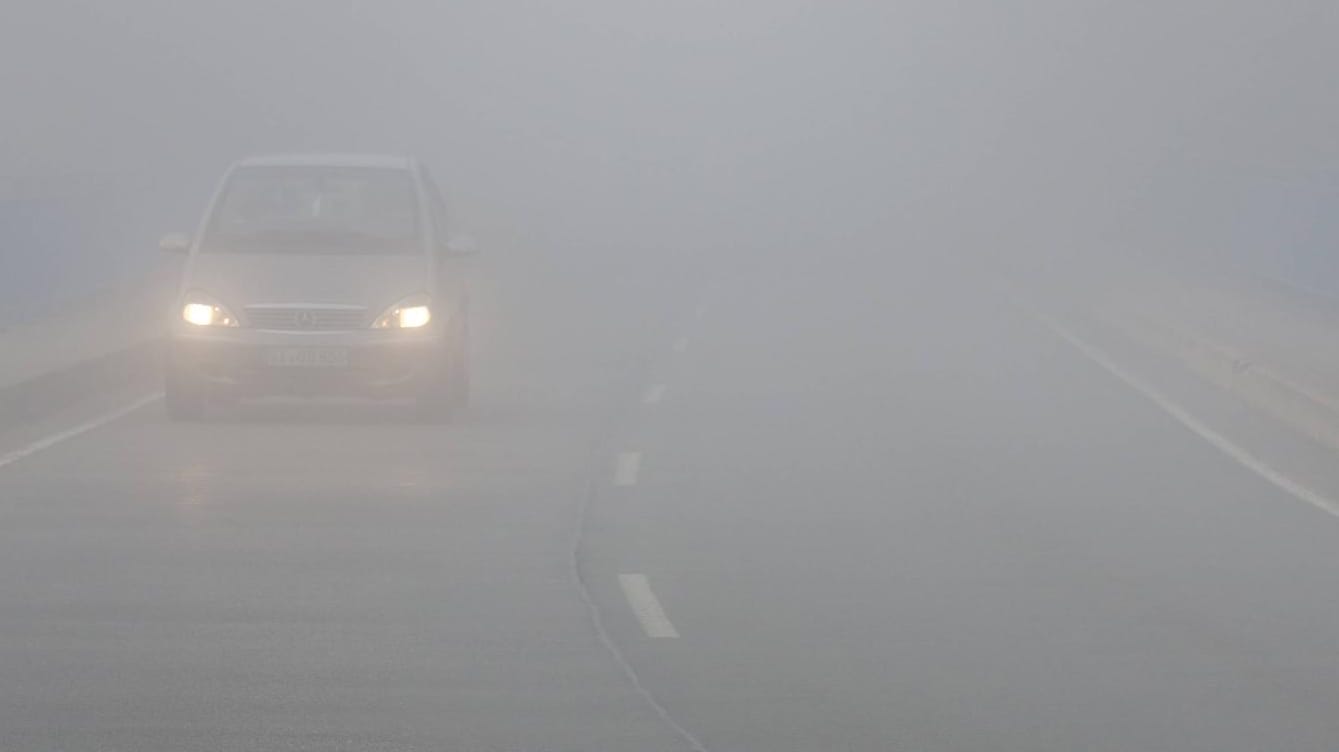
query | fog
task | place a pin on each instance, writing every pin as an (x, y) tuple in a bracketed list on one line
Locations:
[(616, 123), (887, 374)]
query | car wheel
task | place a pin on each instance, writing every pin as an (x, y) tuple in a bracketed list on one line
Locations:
[(435, 401), (448, 389), (184, 402)]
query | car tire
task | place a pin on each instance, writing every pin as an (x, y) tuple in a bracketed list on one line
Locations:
[(184, 402), (435, 401), (448, 390)]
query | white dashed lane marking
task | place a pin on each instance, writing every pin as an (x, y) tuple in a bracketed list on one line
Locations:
[(626, 469), (646, 607)]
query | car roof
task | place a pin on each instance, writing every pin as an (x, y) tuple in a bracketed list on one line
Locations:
[(384, 161)]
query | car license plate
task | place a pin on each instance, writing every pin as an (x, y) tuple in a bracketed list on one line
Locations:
[(307, 357)]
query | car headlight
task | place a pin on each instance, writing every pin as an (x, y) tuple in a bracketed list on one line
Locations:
[(410, 313), (201, 310)]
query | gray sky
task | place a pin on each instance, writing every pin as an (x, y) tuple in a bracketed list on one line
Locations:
[(696, 118)]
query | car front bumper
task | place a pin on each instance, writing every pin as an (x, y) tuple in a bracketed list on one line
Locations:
[(238, 363)]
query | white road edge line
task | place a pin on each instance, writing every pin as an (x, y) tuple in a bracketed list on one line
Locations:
[(646, 607), (653, 394), (1217, 440), (10, 458), (625, 471), (680, 344)]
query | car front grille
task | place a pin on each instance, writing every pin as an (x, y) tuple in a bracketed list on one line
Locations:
[(306, 318)]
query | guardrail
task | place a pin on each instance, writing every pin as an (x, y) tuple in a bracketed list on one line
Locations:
[(1305, 409), (1270, 345)]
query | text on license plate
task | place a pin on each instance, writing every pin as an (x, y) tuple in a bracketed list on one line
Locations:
[(307, 357)]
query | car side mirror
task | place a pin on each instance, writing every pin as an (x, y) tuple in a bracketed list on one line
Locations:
[(175, 242), (461, 245)]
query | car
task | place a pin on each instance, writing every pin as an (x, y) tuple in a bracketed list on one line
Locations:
[(316, 275)]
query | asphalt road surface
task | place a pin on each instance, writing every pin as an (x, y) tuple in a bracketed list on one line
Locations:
[(806, 506)]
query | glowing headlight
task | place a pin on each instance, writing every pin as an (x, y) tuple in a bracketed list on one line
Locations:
[(414, 316), (207, 314), (408, 314)]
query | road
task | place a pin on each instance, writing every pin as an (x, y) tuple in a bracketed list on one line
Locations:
[(799, 506)]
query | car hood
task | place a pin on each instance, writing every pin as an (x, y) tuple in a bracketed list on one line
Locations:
[(371, 280)]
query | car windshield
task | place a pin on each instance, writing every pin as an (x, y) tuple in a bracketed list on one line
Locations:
[(315, 210)]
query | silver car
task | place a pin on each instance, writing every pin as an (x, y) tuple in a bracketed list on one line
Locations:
[(315, 275)]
